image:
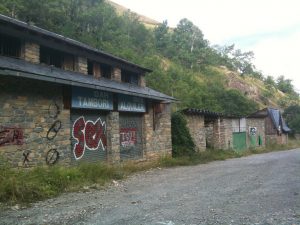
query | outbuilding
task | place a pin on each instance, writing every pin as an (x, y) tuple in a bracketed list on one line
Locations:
[(62, 101), (276, 130), (218, 131)]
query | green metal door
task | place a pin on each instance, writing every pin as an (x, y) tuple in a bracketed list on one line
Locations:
[(239, 141), (253, 141)]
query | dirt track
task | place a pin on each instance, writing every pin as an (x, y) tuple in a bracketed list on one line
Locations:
[(260, 189)]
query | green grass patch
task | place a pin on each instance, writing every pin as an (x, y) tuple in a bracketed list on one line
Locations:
[(199, 158)]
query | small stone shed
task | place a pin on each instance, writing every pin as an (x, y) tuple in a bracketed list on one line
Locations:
[(276, 130), (64, 102), (215, 130)]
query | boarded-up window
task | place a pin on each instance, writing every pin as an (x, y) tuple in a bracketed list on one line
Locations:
[(10, 46)]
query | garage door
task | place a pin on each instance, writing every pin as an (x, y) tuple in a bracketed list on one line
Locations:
[(88, 135), (131, 143)]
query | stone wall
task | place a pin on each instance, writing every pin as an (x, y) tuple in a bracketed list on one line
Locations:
[(142, 81), (157, 132), (31, 52), (219, 134), (32, 121), (113, 137), (209, 134), (81, 65), (195, 124), (116, 74), (276, 139), (228, 134)]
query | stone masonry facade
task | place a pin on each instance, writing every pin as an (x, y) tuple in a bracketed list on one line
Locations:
[(218, 133), (258, 123), (157, 130), (31, 52), (195, 124), (33, 112), (38, 123)]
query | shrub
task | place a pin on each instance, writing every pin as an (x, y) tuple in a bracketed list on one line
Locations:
[(181, 138)]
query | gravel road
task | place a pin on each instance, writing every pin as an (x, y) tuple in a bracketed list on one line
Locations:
[(259, 189)]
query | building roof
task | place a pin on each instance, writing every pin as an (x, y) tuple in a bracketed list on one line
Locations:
[(201, 112), (275, 116), (28, 30), (20, 68)]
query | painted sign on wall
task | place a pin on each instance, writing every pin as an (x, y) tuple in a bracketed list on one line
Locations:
[(131, 103), (128, 137), (11, 136), (89, 135), (91, 99)]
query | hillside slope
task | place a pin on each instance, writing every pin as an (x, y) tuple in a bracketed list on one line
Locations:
[(148, 22), (252, 88)]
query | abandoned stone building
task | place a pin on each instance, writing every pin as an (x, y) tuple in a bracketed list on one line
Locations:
[(62, 101), (217, 131), (276, 130)]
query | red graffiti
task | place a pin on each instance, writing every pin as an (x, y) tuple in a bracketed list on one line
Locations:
[(11, 136), (89, 135), (128, 137)]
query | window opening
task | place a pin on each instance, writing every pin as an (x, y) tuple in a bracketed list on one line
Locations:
[(130, 78), (57, 58), (106, 71), (10, 46)]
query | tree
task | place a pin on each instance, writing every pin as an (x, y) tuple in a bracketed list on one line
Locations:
[(292, 117), (189, 43), (284, 85), (162, 36), (270, 81)]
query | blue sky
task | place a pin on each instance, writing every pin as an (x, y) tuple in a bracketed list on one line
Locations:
[(269, 28)]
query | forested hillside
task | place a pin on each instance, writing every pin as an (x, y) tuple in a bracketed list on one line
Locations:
[(184, 64)]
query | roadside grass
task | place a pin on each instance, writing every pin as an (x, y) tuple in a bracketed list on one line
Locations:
[(24, 186)]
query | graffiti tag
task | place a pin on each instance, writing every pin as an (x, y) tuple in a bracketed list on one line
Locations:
[(11, 136), (26, 158), (88, 135), (128, 137), (53, 130), (52, 156)]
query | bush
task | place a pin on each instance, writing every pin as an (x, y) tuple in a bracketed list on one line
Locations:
[(181, 138)]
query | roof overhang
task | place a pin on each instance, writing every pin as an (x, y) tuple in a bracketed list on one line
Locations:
[(44, 37), (19, 68)]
